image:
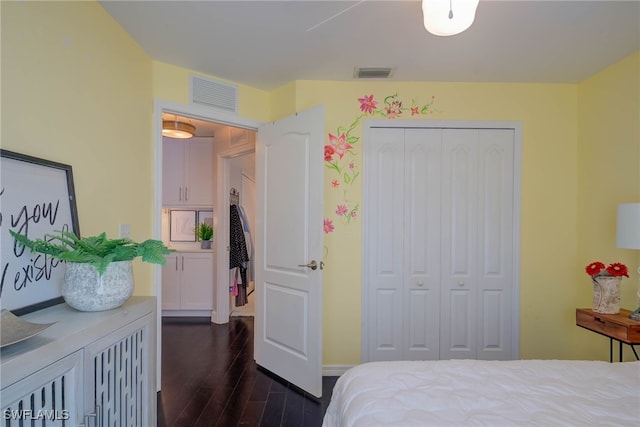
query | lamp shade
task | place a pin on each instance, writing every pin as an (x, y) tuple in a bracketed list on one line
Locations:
[(448, 17), (176, 129), (628, 226)]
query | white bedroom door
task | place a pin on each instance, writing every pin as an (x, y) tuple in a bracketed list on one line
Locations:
[(289, 181)]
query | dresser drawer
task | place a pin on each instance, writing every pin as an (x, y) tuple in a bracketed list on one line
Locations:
[(618, 326)]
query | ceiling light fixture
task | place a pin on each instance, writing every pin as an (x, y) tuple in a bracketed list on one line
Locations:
[(448, 17), (177, 129)]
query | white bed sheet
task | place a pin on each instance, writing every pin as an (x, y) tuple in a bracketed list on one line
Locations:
[(541, 393)]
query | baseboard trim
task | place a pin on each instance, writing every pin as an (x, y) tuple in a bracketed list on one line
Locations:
[(335, 370), (186, 313)]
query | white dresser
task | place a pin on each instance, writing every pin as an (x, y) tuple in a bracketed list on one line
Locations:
[(89, 369)]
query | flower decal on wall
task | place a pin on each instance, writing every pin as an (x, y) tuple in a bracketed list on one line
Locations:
[(328, 225), (340, 154)]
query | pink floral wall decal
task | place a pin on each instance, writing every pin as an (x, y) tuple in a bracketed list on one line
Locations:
[(340, 153), (328, 226)]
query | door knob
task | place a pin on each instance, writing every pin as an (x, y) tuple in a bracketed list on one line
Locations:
[(312, 265)]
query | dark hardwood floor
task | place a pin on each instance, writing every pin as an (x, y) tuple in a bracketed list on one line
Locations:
[(209, 378)]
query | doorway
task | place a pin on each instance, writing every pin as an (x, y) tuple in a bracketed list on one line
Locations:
[(242, 179), (235, 146)]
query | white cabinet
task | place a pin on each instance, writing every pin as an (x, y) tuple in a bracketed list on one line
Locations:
[(438, 241), (187, 281), (187, 172), (171, 284), (94, 368), (116, 373), (43, 393)]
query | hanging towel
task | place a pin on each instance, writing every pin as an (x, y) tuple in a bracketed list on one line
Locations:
[(238, 255), (249, 241)]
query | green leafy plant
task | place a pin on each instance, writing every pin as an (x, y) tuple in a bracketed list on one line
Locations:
[(204, 231), (98, 251)]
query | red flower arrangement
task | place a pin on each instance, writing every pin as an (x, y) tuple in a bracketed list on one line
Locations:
[(615, 269)]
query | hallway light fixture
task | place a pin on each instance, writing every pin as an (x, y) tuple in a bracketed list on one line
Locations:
[(177, 129), (448, 17)]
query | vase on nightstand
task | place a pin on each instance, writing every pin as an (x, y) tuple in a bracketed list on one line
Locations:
[(606, 294)]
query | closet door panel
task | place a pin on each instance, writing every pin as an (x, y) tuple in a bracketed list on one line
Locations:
[(493, 343), (459, 242), (422, 242), (387, 344), (421, 332), (459, 332), (383, 252), (460, 201), (495, 263)]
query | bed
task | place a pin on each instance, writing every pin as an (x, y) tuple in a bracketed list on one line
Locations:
[(487, 393)]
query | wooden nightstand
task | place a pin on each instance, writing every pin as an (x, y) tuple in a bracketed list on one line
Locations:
[(617, 327)]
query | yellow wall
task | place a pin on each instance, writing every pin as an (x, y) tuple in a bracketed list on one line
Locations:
[(608, 175), (283, 101), (171, 83), (549, 173), (76, 89), (69, 73)]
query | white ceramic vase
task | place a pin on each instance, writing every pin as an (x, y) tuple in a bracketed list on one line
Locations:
[(85, 290), (606, 294)]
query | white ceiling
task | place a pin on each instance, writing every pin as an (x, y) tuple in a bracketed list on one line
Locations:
[(265, 44)]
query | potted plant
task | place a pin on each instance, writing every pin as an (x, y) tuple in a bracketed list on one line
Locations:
[(98, 274), (205, 234)]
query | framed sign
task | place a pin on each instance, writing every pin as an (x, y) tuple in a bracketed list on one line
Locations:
[(183, 226), (37, 197)]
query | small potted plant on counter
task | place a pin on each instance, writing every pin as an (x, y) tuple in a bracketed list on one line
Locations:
[(98, 274), (205, 234)]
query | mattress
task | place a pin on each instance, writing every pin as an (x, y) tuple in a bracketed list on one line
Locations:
[(487, 393)]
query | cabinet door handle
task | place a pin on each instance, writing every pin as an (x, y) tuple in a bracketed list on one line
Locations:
[(176, 263), (182, 263), (97, 415), (186, 194), (179, 194)]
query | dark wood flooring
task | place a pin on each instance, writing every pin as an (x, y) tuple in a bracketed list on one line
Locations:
[(209, 378)]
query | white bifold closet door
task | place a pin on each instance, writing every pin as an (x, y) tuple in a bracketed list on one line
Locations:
[(438, 243)]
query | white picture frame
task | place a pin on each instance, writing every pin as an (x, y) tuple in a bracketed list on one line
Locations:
[(183, 226)]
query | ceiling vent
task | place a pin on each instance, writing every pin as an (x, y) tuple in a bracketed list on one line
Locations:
[(372, 73), (213, 93)]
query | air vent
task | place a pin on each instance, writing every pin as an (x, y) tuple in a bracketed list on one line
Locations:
[(213, 93), (372, 73)]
